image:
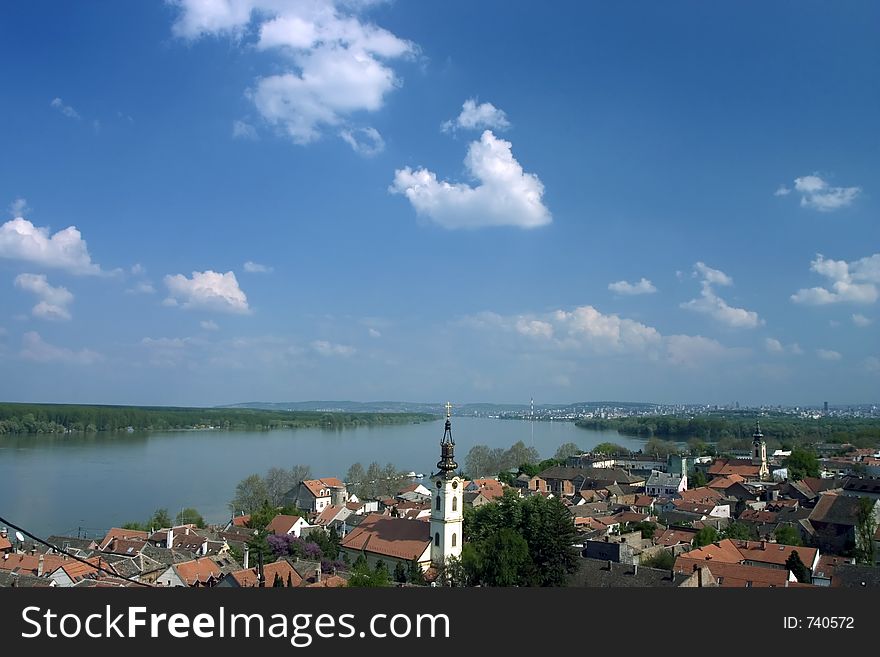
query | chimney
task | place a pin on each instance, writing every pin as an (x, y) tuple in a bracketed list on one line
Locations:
[(247, 554), (318, 575), (635, 569), (699, 577), (40, 567), (169, 541), (4, 532), (609, 565), (763, 545)]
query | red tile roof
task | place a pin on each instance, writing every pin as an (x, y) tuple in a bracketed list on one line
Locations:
[(241, 521), (282, 524), (704, 495), (198, 571), (118, 532), (735, 574), (249, 578), (4, 543), (393, 537)]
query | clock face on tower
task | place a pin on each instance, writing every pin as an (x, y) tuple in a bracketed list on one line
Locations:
[(439, 484), (455, 484)]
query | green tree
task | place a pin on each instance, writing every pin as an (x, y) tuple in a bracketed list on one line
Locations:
[(414, 574), (190, 516), (160, 519), (502, 559), (796, 566), (278, 582), (698, 480), (866, 529), (801, 464), (705, 536), (787, 535), (612, 449), (250, 493), (566, 450), (738, 531), (400, 573), (354, 478)]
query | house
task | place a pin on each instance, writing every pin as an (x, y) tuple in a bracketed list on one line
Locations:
[(316, 494), (675, 536), (663, 484), (703, 509), (391, 540), (72, 571), (862, 487), (118, 532), (607, 574), (702, 495), (333, 516), (823, 573), (283, 524), (834, 520), (856, 577), (736, 575), (201, 572), (281, 570), (22, 580), (490, 489), (726, 467), (567, 481)]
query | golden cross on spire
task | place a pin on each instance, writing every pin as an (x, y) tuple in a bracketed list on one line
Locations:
[(448, 409)]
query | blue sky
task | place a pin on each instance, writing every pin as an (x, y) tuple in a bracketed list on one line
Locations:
[(213, 202)]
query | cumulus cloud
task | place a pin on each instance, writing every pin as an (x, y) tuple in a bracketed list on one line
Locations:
[(774, 346), (244, 130), (817, 194), (207, 290), (336, 63), (588, 331), (325, 348), (644, 286), (709, 303), (477, 117), (66, 110), (861, 321), (374, 333), (505, 195), (828, 354), (66, 249), (851, 282), (256, 268), (364, 141), (53, 301), (209, 325), (34, 348)]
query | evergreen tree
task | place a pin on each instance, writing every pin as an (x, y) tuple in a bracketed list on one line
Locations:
[(400, 573), (796, 566), (414, 574), (278, 582)]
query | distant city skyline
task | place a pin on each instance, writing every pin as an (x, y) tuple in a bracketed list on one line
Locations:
[(210, 203)]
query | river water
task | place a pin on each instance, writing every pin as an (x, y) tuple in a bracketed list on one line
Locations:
[(87, 483)]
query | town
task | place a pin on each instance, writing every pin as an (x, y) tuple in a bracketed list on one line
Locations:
[(601, 519)]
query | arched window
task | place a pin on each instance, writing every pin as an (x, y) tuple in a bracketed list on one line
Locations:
[(437, 539), (454, 503), (438, 502), (453, 540)]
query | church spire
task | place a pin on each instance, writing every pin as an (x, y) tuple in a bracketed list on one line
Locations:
[(447, 465), (758, 436)]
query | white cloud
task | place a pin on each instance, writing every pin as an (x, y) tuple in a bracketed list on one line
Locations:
[(19, 208), (644, 286), (53, 301), (256, 268), (166, 343), (325, 348), (138, 269), (34, 348), (711, 304), (209, 325), (505, 196), (817, 194), (66, 110), (782, 190), (364, 141), (477, 117), (774, 346), (336, 64), (373, 333), (534, 327), (207, 290), (244, 130), (712, 276), (851, 282), (21, 240), (861, 321), (828, 354)]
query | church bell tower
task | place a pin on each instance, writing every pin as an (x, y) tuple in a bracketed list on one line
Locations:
[(759, 452), (446, 505)]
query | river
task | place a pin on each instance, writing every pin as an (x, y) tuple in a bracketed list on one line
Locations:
[(87, 483)]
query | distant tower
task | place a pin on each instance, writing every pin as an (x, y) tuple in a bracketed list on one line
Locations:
[(759, 452), (446, 507), (826, 408)]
